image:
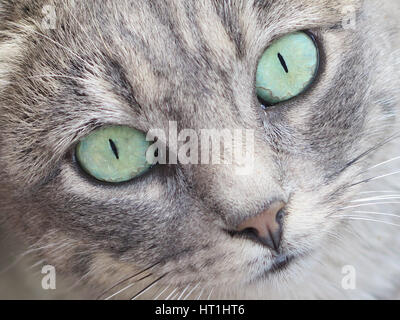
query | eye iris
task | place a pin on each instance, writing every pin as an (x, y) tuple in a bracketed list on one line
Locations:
[(287, 68), (113, 154)]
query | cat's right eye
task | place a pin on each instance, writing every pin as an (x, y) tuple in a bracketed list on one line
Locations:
[(287, 68), (114, 154)]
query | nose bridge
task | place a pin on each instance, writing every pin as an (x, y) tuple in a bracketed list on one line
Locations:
[(233, 189), (236, 191)]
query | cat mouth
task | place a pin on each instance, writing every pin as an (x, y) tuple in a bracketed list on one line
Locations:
[(280, 263)]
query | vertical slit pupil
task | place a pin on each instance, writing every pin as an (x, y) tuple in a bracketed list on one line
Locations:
[(114, 148), (283, 63)]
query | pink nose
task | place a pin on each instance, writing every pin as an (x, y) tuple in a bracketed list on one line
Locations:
[(266, 228)]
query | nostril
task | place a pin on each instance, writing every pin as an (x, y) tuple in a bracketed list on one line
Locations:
[(280, 216), (251, 232), (266, 227)]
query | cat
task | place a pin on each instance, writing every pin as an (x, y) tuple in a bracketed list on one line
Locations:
[(327, 157)]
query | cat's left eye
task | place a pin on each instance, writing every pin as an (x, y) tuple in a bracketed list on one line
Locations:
[(287, 68), (114, 154)]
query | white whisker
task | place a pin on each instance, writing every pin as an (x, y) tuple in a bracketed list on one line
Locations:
[(355, 217), (170, 295), (379, 213), (385, 175), (384, 162), (33, 250), (35, 265), (147, 289), (191, 291), (128, 286), (201, 293), (161, 293), (175, 296), (366, 192), (386, 197), (368, 204), (183, 292), (211, 292), (120, 291)]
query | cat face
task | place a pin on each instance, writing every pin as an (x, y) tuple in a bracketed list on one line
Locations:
[(142, 65)]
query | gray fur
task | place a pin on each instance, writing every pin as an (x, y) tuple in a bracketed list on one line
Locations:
[(143, 64)]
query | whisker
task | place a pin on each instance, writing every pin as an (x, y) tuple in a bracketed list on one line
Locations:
[(170, 295), (366, 153), (366, 192), (191, 291), (175, 296), (386, 197), (127, 279), (151, 285), (201, 293), (374, 178), (183, 292), (161, 293), (386, 175), (127, 287), (379, 213), (368, 204), (33, 250), (211, 292), (41, 262), (384, 162), (78, 282), (350, 217)]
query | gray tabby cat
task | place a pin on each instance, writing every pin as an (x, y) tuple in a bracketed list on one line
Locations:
[(325, 161)]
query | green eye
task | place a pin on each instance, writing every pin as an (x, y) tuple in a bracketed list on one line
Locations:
[(114, 154), (287, 68)]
